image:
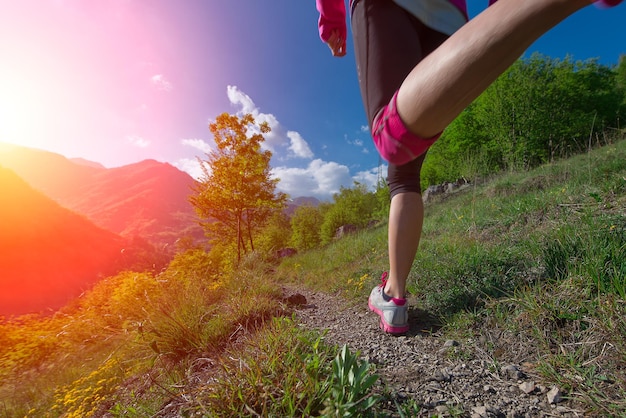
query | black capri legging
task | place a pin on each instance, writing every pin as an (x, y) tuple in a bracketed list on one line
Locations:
[(388, 43)]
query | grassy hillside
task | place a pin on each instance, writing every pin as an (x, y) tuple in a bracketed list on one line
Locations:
[(531, 263), (48, 255)]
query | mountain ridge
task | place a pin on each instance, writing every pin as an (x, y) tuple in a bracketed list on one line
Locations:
[(48, 254), (148, 199)]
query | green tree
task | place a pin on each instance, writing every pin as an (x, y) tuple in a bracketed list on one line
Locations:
[(276, 233), (306, 224), (382, 198), (539, 109), (351, 206), (236, 194), (620, 78)]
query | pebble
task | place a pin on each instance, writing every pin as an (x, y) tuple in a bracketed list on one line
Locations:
[(479, 412), (554, 395), (527, 387), (511, 372), (442, 409), (451, 343)]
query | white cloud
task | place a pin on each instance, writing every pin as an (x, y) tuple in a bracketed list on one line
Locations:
[(359, 143), (161, 82), (198, 144), (365, 128), (238, 97), (320, 178), (299, 146), (278, 138), (191, 166), (370, 177), (138, 141)]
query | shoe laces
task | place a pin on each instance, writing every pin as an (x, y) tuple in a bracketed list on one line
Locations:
[(383, 279), (383, 283)]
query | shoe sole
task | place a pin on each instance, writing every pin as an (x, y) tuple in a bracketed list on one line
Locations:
[(390, 329)]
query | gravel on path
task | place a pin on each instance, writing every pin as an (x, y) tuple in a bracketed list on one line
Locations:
[(442, 377)]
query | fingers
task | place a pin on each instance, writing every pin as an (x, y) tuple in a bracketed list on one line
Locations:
[(337, 44)]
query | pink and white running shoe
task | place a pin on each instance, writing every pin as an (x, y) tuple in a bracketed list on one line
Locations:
[(393, 312)]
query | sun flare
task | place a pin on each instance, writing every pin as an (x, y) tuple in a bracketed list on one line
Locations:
[(18, 101), (29, 107)]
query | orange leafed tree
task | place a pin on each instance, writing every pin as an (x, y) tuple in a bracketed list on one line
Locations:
[(236, 194)]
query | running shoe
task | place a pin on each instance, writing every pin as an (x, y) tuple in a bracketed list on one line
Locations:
[(393, 312)]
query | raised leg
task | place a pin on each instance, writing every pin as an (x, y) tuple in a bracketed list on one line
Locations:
[(444, 83)]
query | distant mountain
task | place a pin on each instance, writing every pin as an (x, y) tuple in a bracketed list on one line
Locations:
[(50, 173), (148, 199), (82, 161), (301, 201), (293, 204), (48, 254)]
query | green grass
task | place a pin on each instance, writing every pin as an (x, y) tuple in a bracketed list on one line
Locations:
[(537, 258), (538, 255)]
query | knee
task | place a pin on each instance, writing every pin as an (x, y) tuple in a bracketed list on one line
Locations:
[(405, 178)]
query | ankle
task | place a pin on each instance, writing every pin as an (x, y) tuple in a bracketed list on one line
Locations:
[(391, 292)]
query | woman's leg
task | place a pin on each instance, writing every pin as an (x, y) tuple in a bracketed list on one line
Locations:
[(442, 85), (388, 44), (406, 215)]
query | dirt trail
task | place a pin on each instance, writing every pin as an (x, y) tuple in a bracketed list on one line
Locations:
[(445, 378)]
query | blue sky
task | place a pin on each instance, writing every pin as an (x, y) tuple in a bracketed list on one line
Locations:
[(119, 81)]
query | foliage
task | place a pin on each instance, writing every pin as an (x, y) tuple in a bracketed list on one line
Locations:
[(537, 255), (196, 265), (351, 384), (83, 397), (621, 75), (540, 109), (80, 359), (305, 227), (236, 193), (281, 371), (275, 234), (381, 198), (351, 206)]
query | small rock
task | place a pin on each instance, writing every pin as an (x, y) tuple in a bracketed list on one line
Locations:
[(451, 343), (479, 412), (527, 387), (296, 300), (441, 409), (512, 372), (494, 411), (554, 395), (442, 376)]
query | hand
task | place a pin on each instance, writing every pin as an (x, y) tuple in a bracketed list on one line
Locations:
[(337, 44)]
